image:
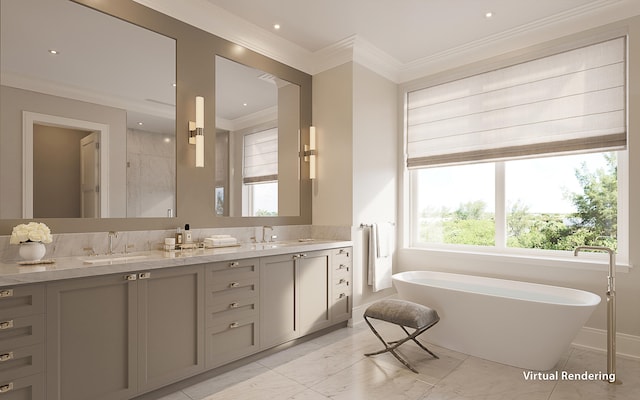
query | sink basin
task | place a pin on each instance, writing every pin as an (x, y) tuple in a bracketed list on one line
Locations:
[(111, 259)]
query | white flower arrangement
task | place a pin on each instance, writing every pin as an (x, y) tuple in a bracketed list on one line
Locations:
[(31, 232)]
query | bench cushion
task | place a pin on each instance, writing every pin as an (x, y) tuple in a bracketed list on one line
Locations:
[(402, 312)]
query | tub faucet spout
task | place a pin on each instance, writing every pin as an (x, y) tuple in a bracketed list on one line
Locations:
[(611, 309)]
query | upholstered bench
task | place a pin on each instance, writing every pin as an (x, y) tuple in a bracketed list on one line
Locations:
[(406, 315)]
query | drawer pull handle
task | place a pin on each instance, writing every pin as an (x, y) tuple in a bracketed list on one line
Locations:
[(234, 264), (343, 251), (234, 325), (341, 281), (234, 284), (130, 277), (6, 293), (342, 295), (144, 275), (7, 387), (235, 304), (6, 356), (6, 324)]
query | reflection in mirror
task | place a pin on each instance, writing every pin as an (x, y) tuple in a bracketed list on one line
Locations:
[(257, 143), (87, 106)]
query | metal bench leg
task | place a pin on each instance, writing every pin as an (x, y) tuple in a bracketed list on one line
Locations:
[(390, 349)]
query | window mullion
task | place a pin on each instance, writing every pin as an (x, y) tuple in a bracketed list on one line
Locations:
[(501, 209)]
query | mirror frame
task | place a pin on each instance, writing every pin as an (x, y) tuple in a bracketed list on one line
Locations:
[(195, 76)]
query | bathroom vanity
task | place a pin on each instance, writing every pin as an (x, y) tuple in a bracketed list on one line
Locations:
[(118, 329)]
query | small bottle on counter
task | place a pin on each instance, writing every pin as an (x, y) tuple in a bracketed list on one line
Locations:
[(187, 234), (179, 237)]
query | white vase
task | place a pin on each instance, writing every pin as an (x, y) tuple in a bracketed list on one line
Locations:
[(32, 251)]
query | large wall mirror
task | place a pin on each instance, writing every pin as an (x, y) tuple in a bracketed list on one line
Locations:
[(257, 142), (136, 65), (87, 114)]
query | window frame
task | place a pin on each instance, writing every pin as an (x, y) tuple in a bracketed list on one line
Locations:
[(490, 254)]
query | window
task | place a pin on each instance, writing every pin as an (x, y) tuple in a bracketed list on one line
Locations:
[(522, 158), (548, 203), (260, 173)]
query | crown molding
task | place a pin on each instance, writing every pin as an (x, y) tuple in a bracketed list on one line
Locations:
[(213, 19)]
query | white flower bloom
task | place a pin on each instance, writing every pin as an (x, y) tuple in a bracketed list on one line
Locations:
[(33, 231)]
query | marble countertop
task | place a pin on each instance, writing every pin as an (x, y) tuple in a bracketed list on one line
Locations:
[(12, 274)]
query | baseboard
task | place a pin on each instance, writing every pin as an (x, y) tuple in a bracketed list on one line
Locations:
[(627, 346)]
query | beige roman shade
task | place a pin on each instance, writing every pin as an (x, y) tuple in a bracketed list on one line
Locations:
[(571, 101), (260, 157)]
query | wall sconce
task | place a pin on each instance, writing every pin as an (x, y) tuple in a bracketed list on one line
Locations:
[(196, 132), (310, 152)]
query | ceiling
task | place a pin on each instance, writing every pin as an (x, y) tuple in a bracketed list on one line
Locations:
[(412, 30)]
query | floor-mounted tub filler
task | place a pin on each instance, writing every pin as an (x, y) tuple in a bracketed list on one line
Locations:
[(522, 324)]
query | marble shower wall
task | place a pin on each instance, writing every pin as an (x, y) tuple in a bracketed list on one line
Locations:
[(151, 173)]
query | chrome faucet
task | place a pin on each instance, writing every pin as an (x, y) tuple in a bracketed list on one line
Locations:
[(611, 309), (111, 235), (264, 237)]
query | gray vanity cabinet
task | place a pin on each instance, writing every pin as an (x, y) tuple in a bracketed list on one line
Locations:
[(232, 310), (119, 335), (294, 296), (277, 300), (92, 338), (170, 325)]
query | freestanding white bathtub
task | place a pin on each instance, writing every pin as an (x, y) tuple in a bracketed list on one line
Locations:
[(522, 324)]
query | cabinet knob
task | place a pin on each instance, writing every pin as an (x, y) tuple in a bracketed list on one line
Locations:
[(6, 324), (6, 387), (234, 264), (234, 284), (342, 295), (235, 304), (6, 356), (130, 277), (6, 293), (234, 325)]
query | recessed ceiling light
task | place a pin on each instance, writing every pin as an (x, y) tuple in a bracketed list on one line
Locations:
[(52, 51), (244, 104), (140, 123), (488, 14), (276, 26), (174, 84)]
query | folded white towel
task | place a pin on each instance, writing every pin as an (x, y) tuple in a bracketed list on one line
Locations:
[(219, 236), (227, 241)]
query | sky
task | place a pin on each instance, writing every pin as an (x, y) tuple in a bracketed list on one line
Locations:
[(538, 183)]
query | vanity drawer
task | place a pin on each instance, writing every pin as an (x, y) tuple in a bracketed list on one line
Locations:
[(342, 256), (21, 331), (21, 301), (27, 388), (341, 307), (20, 362), (237, 281), (229, 317), (231, 299), (231, 341), (233, 265)]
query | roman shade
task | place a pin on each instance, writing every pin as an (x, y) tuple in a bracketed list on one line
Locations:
[(260, 157), (575, 100)]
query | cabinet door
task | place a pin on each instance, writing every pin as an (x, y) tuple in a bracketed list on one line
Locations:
[(277, 300), (171, 330), (313, 273), (91, 338)]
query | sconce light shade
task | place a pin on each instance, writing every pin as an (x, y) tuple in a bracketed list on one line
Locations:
[(196, 132), (310, 152)]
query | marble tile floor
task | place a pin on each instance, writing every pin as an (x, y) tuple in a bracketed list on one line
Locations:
[(333, 367)]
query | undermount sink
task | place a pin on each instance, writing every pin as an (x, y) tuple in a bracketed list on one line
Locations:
[(111, 259)]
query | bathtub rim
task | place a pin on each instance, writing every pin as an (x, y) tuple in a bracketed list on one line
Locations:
[(583, 299)]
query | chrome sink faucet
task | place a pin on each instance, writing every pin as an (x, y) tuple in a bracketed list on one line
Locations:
[(264, 234), (111, 235)]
